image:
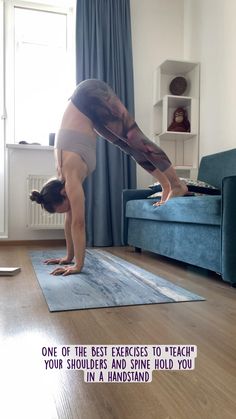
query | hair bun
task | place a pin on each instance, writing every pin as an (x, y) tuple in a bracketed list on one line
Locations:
[(36, 196)]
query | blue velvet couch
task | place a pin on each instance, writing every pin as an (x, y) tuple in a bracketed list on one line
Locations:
[(199, 230)]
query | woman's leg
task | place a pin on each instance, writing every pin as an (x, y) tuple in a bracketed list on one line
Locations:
[(111, 119), (163, 168), (139, 157)]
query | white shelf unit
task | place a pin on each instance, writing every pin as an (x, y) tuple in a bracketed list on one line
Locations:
[(181, 147)]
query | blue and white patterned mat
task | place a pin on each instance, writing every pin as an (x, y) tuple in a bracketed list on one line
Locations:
[(106, 281)]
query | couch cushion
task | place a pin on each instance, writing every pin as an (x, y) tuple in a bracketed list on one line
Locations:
[(215, 167), (192, 209), (197, 186)]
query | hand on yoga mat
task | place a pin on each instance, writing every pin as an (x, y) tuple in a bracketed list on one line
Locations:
[(58, 261), (66, 270)]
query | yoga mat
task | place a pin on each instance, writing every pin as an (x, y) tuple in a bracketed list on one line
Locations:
[(106, 281)]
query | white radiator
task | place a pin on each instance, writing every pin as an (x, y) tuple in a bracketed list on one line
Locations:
[(37, 218)]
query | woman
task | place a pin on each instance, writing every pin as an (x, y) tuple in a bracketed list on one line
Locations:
[(95, 109)]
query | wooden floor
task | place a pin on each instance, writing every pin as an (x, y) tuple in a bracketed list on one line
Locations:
[(26, 325)]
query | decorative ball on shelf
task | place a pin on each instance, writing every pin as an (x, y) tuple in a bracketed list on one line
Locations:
[(178, 85), (180, 121)]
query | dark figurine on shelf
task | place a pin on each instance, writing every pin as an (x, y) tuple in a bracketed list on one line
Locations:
[(180, 121)]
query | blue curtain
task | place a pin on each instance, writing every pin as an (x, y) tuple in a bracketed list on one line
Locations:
[(104, 51)]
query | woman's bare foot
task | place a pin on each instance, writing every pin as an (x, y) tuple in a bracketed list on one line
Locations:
[(179, 189), (171, 185)]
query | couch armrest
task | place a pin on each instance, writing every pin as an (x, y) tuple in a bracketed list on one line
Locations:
[(129, 195), (228, 232)]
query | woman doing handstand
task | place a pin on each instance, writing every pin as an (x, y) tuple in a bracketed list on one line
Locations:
[(95, 109)]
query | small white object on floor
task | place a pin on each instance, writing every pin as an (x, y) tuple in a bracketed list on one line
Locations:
[(9, 271)]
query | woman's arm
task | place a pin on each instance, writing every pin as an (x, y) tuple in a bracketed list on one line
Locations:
[(69, 244), (75, 195), (68, 236), (77, 238)]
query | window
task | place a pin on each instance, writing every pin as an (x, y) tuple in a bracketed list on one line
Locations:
[(43, 73), (2, 128)]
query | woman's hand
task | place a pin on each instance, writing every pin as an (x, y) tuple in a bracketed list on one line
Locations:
[(66, 270), (58, 261)]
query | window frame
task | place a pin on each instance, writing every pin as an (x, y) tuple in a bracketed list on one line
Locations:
[(3, 163), (10, 51)]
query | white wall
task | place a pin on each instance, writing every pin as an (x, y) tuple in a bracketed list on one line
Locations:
[(23, 162), (209, 37), (157, 34)]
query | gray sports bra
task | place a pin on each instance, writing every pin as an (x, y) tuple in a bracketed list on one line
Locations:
[(80, 143)]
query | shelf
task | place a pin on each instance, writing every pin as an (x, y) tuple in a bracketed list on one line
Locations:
[(30, 147), (178, 101), (174, 101), (177, 67), (172, 135), (184, 167), (165, 73), (181, 147), (189, 172)]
